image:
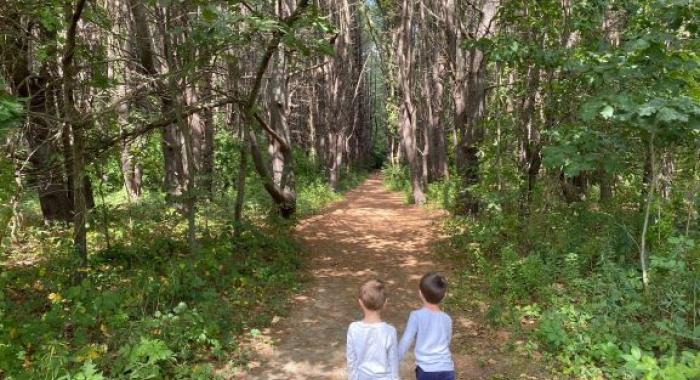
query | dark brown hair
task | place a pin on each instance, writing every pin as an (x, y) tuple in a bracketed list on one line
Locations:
[(372, 295), (433, 286)]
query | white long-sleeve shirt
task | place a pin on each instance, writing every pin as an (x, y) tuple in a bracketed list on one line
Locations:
[(432, 331), (372, 351)]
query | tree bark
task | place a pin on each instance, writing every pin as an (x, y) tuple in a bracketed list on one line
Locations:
[(439, 167), (284, 197), (469, 92), (206, 170), (645, 227), (240, 181), (530, 139), (78, 124), (407, 114), (171, 144)]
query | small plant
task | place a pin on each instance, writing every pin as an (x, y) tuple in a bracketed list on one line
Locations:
[(641, 365), (143, 360), (87, 372)]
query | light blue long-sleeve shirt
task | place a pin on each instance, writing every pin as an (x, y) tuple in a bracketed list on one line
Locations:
[(432, 331), (372, 351)]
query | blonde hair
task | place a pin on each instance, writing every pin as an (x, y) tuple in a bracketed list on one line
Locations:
[(372, 295)]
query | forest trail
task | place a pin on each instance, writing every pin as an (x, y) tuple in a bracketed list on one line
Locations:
[(373, 233)]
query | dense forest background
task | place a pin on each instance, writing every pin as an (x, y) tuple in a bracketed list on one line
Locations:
[(156, 154)]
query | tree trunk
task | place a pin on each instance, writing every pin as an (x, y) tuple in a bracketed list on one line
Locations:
[(131, 170), (439, 168), (283, 197), (118, 50), (45, 173), (278, 118), (206, 170), (645, 227), (240, 182), (574, 188), (530, 139), (605, 180), (78, 124), (171, 143), (468, 93), (407, 116)]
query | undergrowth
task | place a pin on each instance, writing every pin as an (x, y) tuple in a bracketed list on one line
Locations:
[(146, 310), (145, 307), (565, 279)]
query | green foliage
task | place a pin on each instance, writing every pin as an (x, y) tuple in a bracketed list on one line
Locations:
[(142, 359), (10, 113), (444, 193), (308, 36), (572, 270), (606, 94), (314, 192), (10, 109), (87, 372), (145, 308), (647, 367), (611, 89), (396, 177), (576, 149)]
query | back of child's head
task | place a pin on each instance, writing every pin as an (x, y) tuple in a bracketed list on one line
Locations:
[(372, 295), (433, 287)]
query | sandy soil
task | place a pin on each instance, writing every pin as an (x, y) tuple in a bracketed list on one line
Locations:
[(373, 233)]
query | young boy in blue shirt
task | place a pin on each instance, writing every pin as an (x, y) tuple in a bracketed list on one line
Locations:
[(431, 329)]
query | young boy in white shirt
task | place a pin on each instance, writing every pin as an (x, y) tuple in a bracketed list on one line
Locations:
[(432, 331), (372, 349)]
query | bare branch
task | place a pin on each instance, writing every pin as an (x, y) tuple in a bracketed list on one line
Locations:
[(284, 144)]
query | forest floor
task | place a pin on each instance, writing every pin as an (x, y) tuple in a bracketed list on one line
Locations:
[(373, 233)]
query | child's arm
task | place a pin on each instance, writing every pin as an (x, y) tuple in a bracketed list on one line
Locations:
[(394, 355), (351, 357), (408, 336)]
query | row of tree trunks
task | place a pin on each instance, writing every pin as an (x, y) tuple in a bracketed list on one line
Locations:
[(51, 166), (422, 57), (431, 110), (196, 134), (147, 53), (340, 108)]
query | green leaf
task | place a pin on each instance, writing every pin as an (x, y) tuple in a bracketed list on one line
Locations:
[(209, 14), (50, 19), (10, 111), (646, 110), (667, 115), (589, 110), (638, 44), (607, 112)]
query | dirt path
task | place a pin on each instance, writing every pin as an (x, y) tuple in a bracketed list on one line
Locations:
[(372, 233)]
